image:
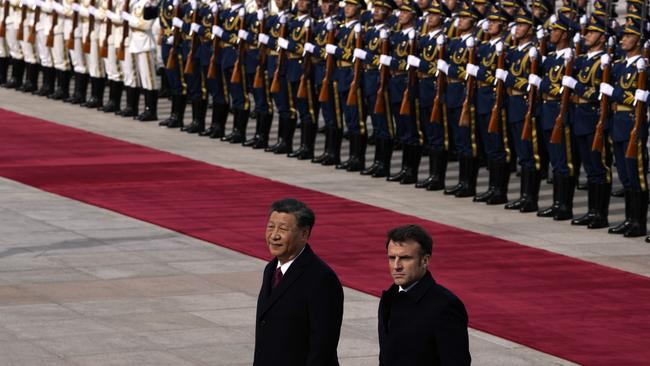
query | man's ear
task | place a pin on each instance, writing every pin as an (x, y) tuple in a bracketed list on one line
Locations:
[(425, 259)]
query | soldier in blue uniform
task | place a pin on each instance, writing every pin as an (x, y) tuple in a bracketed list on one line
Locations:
[(496, 145), (623, 93), (353, 115), (515, 76), (376, 34), (561, 154), (585, 116), (436, 133), (465, 138), (407, 126)]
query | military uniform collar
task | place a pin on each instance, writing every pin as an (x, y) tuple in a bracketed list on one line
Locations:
[(494, 41), (434, 33), (562, 52), (379, 26), (465, 36), (236, 7), (593, 54), (631, 60), (351, 23), (407, 30), (522, 47), (303, 16)]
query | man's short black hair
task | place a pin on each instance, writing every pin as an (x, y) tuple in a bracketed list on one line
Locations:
[(304, 215), (411, 232)]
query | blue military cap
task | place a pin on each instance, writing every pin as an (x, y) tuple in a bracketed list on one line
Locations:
[(547, 5), (524, 16), (564, 23), (439, 8), (469, 11), (633, 27), (359, 3), (499, 14), (411, 6), (389, 4), (597, 24)]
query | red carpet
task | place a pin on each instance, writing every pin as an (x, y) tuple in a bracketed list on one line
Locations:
[(573, 309)]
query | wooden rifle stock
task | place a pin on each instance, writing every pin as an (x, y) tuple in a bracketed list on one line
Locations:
[(493, 126), (216, 46), (49, 42), (466, 113), (527, 131), (75, 23), (639, 118), (275, 85), (91, 28), (602, 118), (176, 33), (31, 38), (352, 94), (441, 85), (558, 128), (380, 103), (405, 108), (303, 90), (3, 25), (20, 35), (235, 78), (121, 51), (261, 61), (103, 49), (189, 64), (324, 95)]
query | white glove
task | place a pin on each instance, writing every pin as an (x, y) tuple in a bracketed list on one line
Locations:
[(470, 42), (568, 55), (440, 40), (283, 43), (606, 89), (242, 12), (540, 33), (485, 26), (413, 61), (640, 65), (513, 32), (569, 82), (501, 74), (170, 40), (357, 28), (283, 19), (39, 3), (499, 47), (263, 38), (383, 34), (532, 53), (385, 60), (75, 7), (243, 35), (214, 8), (641, 95), (604, 60), (472, 69), (193, 4), (309, 47), (576, 38), (329, 26), (330, 49), (127, 16), (552, 19), (443, 66), (113, 16), (260, 15), (217, 31), (92, 10), (194, 28), (177, 22), (583, 21), (58, 8), (359, 53), (534, 80)]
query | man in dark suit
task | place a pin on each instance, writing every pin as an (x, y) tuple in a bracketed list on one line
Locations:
[(420, 322), (300, 306)]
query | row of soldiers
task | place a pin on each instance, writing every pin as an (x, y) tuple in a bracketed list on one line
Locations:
[(476, 81)]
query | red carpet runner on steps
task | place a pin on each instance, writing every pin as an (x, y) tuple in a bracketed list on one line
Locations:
[(573, 309)]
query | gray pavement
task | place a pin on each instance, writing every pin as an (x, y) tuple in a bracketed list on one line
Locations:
[(80, 285)]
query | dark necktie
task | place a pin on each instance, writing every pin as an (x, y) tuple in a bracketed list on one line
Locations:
[(277, 276)]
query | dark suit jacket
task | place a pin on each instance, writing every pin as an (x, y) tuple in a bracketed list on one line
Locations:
[(299, 322), (425, 326)]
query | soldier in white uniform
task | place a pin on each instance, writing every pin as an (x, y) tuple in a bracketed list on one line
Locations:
[(43, 28), (60, 53), (72, 36), (15, 51), (108, 52), (29, 54), (4, 49), (127, 63), (90, 47)]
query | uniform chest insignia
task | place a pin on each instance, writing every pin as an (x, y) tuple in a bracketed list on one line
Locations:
[(373, 44), (170, 7)]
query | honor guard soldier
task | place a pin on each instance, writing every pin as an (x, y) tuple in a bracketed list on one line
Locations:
[(465, 138), (436, 133), (30, 56), (631, 162), (585, 117), (73, 39), (12, 23), (495, 142), (42, 28), (59, 53), (108, 56), (519, 61), (404, 94), (353, 113), (4, 49), (375, 89), (90, 26)]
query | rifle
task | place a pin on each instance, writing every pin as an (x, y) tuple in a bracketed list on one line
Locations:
[(3, 25), (189, 65), (329, 67), (261, 61), (303, 90), (352, 95), (216, 46), (236, 74), (493, 126), (91, 28), (405, 108), (23, 14), (31, 38), (556, 135), (50, 35), (527, 131), (380, 103), (75, 23), (604, 99), (441, 83), (125, 33), (176, 33), (275, 85), (466, 113), (103, 50), (639, 107)]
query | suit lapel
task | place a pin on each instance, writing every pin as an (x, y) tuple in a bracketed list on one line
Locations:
[(296, 269)]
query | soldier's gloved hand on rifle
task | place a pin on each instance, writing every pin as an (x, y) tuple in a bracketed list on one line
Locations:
[(604, 61), (195, 28), (283, 43), (640, 64), (413, 61), (385, 60), (534, 80), (260, 14), (177, 22), (242, 34), (606, 89), (58, 8), (472, 69), (309, 47), (214, 7), (263, 38), (127, 16), (501, 74), (170, 40), (576, 39), (359, 53), (113, 16), (217, 31), (569, 82), (330, 49), (442, 66), (641, 95)]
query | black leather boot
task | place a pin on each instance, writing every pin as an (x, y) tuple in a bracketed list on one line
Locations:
[(639, 215), (483, 197), (550, 211), (439, 159), (282, 125), (165, 91), (307, 152), (199, 109), (132, 103), (567, 185), (62, 91), (585, 219), (49, 76), (462, 171), (266, 119), (31, 78), (252, 141), (114, 97), (502, 176), (150, 112), (376, 161), (531, 190), (359, 161), (96, 93), (623, 226), (413, 165), (402, 172), (386, 147), (352, 137), (240, 137), (17, 72), (601, 209), (287, 143), (471, 173), (218, 122), (328, 141), (80, 89), (334, 155), (4, 68)]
